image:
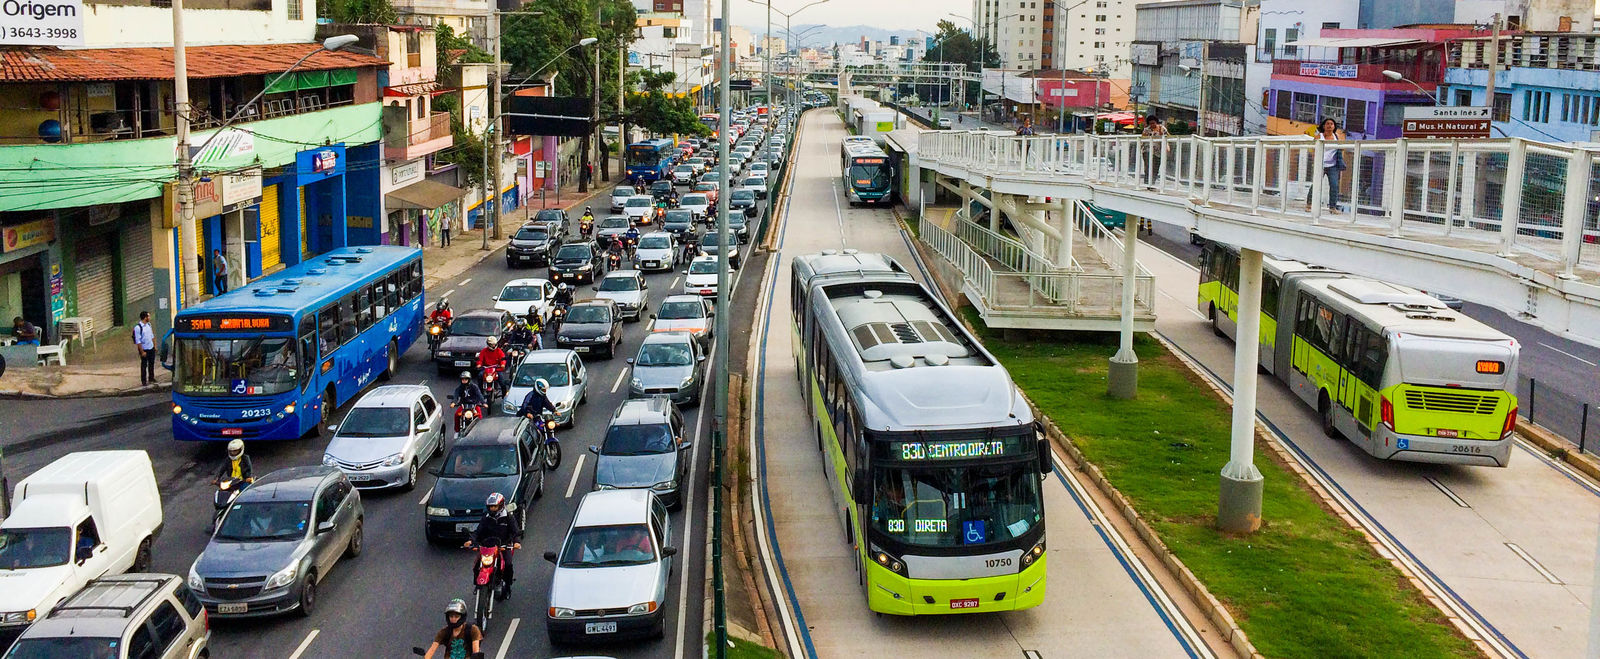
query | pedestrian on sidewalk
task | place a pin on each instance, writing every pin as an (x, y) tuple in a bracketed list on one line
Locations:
[(444, 232), (144, 340), (219, 272), (588, 173), (24, 332)]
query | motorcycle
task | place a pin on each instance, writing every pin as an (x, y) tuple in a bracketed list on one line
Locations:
[(489, 582), (613, 261), (547, 437), (228, 489), (466, 417), (435, 335), (586, 226), (491, 381)]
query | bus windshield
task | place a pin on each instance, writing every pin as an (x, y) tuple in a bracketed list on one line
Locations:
[(956, 506), (256, 366), (869, 177), (643, 155)]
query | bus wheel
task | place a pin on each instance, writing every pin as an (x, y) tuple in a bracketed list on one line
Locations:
[(327, 410), (394, 362), (1325, 413), (1216, 328)]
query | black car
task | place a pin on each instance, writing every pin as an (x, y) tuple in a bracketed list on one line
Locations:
[(678, 221), (661, 189), (556, 218), (592, 326), (742, 201), (531, 245), (576, 262), (500, 454), (469, 333)]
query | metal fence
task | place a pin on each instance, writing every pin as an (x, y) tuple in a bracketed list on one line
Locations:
[(1574, 417)]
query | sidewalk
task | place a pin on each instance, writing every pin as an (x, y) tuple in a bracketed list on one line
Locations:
[(110, 367)]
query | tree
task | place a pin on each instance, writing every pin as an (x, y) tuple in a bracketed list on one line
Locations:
[(446, 42), (661, 113), (358, 11)]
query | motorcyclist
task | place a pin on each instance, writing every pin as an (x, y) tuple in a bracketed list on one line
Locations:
[(460, 637), (537, 400), (238, 466), (468, 393), (691, 245), (563, 295), (498, 527), (519, 334), (534, 328), (614, 250), (492, 355), (441, 313), (588, 213), (631, 237)]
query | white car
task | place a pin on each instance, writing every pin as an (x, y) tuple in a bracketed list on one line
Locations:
[(697, 203), (387, 436), (562, 370), (758, 168), (639, 207), (656, 251), (756, 184), (683, 174), (519, 296), (701, 278), (612, 569), (627, 289), (944, 122), (620, 196)]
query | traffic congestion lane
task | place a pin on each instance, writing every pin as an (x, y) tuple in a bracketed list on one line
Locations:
[(1487, 533)]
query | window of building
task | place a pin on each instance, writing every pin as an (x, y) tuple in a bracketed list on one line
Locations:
[(1356, 116), (1282, 108), (294, 10), (1100, 18), (1290, 35), (1502, 106), (1099, 30), (1393, 113), (1463, 97), (1305, 108), (1099, 44), (1269, 41), (1334, 25), (1332, 108)]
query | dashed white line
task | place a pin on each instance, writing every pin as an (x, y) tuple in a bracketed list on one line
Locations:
[(577, 469), (425, 496), (305, 644), (511, 631), (675, 281), (448, 293), (1567, 354), (1192, 310), (464, 282), (618, 384), (688, 488), (1548, 575), (1448, 492)]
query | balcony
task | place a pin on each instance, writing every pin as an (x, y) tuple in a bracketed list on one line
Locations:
[(1422, 74), (407, 137)]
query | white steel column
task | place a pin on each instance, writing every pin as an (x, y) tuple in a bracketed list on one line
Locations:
[(1239, 510), (1122, 376)]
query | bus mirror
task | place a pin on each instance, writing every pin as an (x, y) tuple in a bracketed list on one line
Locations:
[(861, 490), (1045, 455), (166, 351)]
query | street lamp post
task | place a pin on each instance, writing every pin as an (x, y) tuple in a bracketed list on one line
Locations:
[(1400, 77), (187, 248), (1061, 112), (766, 48)]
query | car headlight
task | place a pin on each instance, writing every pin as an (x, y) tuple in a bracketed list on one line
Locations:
[(508, 408), (643, 607), (195, 582), (603, 486), (558, 612), (438, 512), (327, 460), (22, 616), (394, 460), (283, 578), (686, 382), (586, 266), (665, 486), (638, 384)]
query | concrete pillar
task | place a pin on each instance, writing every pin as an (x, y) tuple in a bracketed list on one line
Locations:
[(1239, 509), (1122, 376), (1063, 255), (999, 201), (233, 247), (340, 224)]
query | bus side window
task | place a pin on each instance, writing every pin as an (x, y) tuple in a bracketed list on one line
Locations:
[(1231, 277), (1208, 267), (363, 308), (391, 286), (380, 303), (1303, 325), (1351, 352), (328, 328), (347, 319), (308, 348), (1269, 295), (1374, 354), (414, 286)]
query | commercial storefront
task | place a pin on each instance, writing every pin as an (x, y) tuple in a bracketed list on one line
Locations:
[(415, 205), (28, 254)]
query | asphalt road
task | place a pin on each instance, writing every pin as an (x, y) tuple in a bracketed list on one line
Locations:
[(391, 598)]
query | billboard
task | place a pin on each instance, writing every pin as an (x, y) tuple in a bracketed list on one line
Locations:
[(555, 116), (41, 23)]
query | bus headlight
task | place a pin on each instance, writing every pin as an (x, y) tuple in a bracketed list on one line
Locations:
[(1033, 554), (288, 409), (888, 561), (177, 409)]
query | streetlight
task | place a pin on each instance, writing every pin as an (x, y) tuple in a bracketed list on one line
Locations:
[(1399, 77), (766, 48), (491, 175), (185, 182)]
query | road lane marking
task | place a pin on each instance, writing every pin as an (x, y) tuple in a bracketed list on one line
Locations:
[(448, 293), (1567, 353), (304, 644), (618, 383), (675, 281), (839, 212), (573, 484), (425, 496), (511, 631), (1447, 492), (686, 540), (1548, 575), (1192, 310), (464, 282)]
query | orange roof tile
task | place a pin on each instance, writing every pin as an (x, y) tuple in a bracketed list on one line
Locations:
[(50, 64)]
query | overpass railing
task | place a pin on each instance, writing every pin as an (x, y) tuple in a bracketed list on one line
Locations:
[(1508, 194), (1053, 293)]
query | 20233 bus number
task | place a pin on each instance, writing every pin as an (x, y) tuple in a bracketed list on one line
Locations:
[(255, 414)]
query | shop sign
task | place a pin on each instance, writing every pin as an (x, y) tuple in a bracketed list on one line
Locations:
[(30, 234), (325, 161), (207, 199), (541, 169), (405, 174), (1146, 54), (229, 143), (240, 189), (319, 163), (41, 23), (1320, 70)]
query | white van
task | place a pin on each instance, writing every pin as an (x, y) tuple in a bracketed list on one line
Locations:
[(84, 516)]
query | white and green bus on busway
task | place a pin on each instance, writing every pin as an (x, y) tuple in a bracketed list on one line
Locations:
[(933, 458)]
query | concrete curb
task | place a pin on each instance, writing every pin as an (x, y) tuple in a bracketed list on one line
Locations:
[(1559, 448), (15, 394)]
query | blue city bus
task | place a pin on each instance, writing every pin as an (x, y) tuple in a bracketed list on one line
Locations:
[(273, 359), (651, 159)]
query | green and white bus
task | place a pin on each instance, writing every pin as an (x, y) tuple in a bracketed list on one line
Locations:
[(933, 459), (1390, 367)]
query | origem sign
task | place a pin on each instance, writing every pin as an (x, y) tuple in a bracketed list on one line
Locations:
[(41, 22)]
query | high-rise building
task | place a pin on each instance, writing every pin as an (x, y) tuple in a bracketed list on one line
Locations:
[(1046, 34)]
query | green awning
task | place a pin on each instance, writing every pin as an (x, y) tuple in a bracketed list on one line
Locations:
[(283, 84), (342, 77), (311, 79)]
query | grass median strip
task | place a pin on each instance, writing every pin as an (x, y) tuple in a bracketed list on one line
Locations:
[(1305, 585)]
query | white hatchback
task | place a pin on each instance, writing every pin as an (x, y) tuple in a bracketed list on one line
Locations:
[(519, 296), (387, 436), (701, 278)]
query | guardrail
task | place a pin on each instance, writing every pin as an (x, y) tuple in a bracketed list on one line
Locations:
[(1053, 293), (1506, 194)]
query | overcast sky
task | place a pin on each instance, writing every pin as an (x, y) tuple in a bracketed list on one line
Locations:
[(886, 14)]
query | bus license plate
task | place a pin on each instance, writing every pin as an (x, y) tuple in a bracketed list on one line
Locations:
[(233, 432), (969, 603), (1446, 432), (599, 628), (238, 607)]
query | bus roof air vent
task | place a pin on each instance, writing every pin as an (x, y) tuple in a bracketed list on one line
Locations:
[(317, 271), (290, 282), (363, 250), (936, 359), (265, 292), (872, 294), (829, 252), (851, 251), (902, 361)]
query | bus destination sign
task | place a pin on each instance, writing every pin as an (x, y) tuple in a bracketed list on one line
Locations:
[(234, 323), (959, 449)]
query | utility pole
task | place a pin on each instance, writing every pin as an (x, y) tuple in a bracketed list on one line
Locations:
[(622, 120), (766, 57), (719, 616), (187, 238), (1200, 110), (1494, 67), (498, 161), (599, 130)]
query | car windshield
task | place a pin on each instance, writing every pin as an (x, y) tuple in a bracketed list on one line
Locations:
[(622, 192), (522, 293), (218, 367), (700, 187), (636, 202), (531, 233), (376, 422), (743, 195), (550, 215), (553, 373), (693, 199), (608, 546), (474, 326), (573, 253), (480, 461), (615, 223), (958, 506), (706, 267), (22, 549), (588, 313), (615, 284), (256, 521), (664, 354), (650, 439), (686, 169), (655, 242), (756, 181), (66, 647), (679, 215), (685, 310)]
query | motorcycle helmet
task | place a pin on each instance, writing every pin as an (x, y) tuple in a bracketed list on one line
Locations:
[(588, 209), (235, 449), (565, 287), (466, 376), (495, 499), (457, 606), (493, 341), (541, 386)]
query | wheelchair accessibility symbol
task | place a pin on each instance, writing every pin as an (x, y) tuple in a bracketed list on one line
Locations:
[(1402, 443), (239, 387), (972, 532)]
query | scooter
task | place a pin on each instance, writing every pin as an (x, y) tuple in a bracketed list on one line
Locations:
[(613, 261), (228, 489)]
